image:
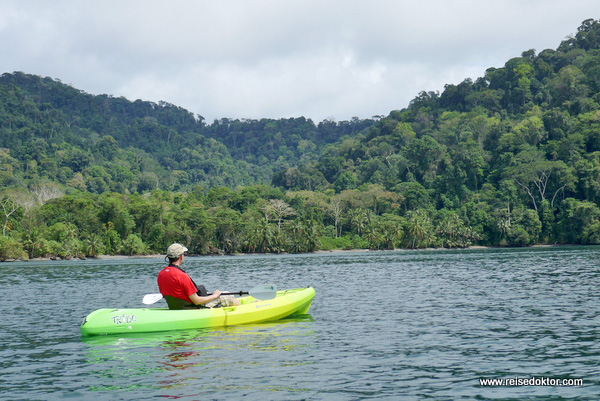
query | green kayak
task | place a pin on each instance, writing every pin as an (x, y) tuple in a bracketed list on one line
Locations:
[(118, 321)]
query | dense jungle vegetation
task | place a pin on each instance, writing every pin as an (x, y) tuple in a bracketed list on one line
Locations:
[(510, 159)]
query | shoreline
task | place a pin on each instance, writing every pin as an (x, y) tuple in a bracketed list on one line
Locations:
[(159, 256)]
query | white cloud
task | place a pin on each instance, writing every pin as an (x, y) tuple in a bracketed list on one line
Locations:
[(267, 58)]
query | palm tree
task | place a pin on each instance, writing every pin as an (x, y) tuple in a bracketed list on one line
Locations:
[(93, 244), (296, 229), (359, 220), (419, 227), (71, 243), (374, 236), (310, 234), (265, 235), (394, 233)]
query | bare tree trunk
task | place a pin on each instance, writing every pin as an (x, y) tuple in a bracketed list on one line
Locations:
[(9, 207)]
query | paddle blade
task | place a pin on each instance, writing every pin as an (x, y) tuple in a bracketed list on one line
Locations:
[(151, 299), (264, 291)]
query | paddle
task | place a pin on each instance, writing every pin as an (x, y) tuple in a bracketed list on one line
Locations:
[(262, 292)]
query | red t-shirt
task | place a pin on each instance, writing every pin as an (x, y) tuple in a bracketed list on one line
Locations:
[(172, 281)]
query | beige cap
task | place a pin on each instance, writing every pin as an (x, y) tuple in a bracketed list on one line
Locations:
[(176, 250)]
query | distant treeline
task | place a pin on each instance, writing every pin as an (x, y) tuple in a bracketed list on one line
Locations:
[(512, 158), (264, 219)]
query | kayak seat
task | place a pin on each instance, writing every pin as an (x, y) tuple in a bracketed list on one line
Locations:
[(175, 303)]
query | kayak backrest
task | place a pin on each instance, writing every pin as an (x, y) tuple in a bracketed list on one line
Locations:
[(175, 303)]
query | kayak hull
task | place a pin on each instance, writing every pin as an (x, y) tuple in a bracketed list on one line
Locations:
[(144, 320)]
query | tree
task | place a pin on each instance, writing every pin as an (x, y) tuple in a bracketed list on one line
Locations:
[(532, 130), (346, 180), (93, 245), (264, 235), (34, 243), (387, 231), (133, 245), (46, 191), (227, 229), (541, 178), (280, 210), (588, 34), (299, 178), (576, 218), (107, 146), (424, 155), (112, 241), (10, 248), (588, 171), (9, 207), (303, 236), (113, 209), (336, 209), (419, 228), (359, 219), (414, 196), (568, 84), (454, 233)]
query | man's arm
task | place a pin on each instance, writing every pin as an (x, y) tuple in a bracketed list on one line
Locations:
[(198, 300)]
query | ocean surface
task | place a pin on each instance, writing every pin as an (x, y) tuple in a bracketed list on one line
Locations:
[(414, 325)]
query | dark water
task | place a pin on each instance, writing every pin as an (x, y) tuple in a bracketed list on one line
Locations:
[(394, 325)]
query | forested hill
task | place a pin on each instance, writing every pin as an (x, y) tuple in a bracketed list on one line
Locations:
[(53, 132), (533, 123), (511, 158)]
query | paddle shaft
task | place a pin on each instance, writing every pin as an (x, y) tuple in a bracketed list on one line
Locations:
[(234, 293), (263, 292)]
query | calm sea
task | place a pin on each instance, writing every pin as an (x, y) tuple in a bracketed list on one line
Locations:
[(412, 325)]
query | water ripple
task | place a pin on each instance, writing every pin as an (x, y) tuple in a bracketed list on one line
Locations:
[(384, 325)]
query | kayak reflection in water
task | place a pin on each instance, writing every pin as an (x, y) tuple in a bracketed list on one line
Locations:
[(178, 288)]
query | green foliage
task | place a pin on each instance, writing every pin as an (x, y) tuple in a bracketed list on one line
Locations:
[(133, 245), (331, 243), (11, 249), (578, 222), (511, 158)]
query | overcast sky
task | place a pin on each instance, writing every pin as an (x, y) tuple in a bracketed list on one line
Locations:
[(277, 58)]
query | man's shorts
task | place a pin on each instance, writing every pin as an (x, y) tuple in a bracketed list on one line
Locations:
[(222, 301)]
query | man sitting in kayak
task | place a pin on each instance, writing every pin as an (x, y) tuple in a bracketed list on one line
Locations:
[(179, 289)]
